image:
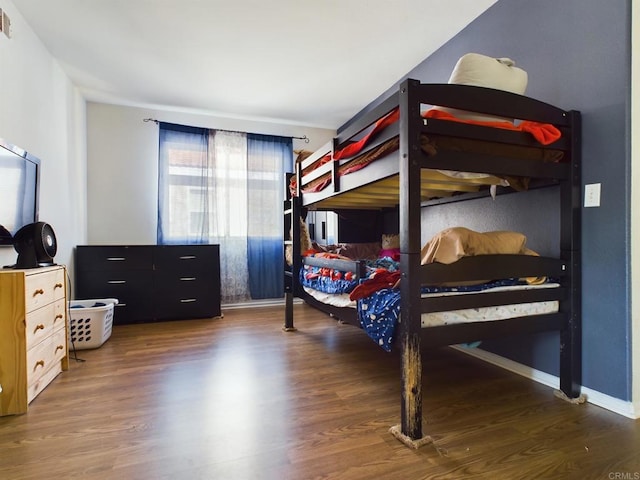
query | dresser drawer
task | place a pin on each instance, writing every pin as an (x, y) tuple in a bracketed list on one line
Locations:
[(45, 379), (116, 258), (187, 307), (43, 288), (168, 283), (113, 284), (41, 323), (46, 355), (187, 296), (132, 288), (186, 258)]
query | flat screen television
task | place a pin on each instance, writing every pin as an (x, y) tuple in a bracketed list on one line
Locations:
[(19, 186)]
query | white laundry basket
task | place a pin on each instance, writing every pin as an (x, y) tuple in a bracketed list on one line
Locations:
[(90, 322)]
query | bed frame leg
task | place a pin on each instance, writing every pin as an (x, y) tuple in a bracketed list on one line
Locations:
[(411, 388), (288, 314), (570, 362), (410, 430)]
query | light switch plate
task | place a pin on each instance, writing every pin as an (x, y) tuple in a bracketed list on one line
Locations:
[(592, 195)]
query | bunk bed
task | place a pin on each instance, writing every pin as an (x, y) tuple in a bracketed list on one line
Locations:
[(408, 164)]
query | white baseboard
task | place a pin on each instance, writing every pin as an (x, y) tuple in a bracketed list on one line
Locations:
[(271, 302), (621, 407)]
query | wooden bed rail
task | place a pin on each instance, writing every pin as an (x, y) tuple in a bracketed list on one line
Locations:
[(487, 267), (458, 302), (490, 101), (356, 266), (367, 119), (471, 332), (492, 164), (439, 126)]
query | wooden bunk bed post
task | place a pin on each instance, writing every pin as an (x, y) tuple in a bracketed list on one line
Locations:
[(335, 176), (410, 238), (570, 242), (292, 215)]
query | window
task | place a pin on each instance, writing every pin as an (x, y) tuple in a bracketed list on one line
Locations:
[(226, 188)]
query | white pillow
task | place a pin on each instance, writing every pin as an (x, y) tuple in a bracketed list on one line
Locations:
[(483, 71)]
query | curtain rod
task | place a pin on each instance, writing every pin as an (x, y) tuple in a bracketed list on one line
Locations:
[(304, 137)]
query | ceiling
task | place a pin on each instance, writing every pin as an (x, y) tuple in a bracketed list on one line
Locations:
[(301, 62)]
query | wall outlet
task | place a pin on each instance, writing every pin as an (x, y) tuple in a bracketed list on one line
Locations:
[(592, 195)]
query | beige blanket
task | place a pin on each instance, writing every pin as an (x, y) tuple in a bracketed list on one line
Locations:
[(454, 243)]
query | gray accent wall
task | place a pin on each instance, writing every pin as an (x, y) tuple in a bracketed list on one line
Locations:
[(577, 54)]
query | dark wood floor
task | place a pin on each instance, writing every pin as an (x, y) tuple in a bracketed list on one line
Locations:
[(237, 398)]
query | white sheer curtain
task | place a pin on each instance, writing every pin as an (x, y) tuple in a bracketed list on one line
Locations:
[(228, 210)]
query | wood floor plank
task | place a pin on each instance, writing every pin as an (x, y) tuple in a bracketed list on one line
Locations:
[(238, 398)]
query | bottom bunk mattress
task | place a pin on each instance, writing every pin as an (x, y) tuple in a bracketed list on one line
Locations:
[(376, 295), (378, 313)]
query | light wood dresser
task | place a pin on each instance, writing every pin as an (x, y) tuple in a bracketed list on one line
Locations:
[(33, 334)]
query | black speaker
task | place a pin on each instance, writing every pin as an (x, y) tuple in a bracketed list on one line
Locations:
[(36, 245)]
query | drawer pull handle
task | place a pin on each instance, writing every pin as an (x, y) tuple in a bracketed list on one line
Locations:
[(38, 327), (58, 317), (188, 300), (38, 292), (187, 257), (57, 285), (115, 259), (39, 363), (187, 279), (117, 282), (59, 347)]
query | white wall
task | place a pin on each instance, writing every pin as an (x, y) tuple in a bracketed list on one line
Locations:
[(42, 112), (122, 152)]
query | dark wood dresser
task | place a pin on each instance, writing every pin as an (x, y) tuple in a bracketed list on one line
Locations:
[(151, 282)]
